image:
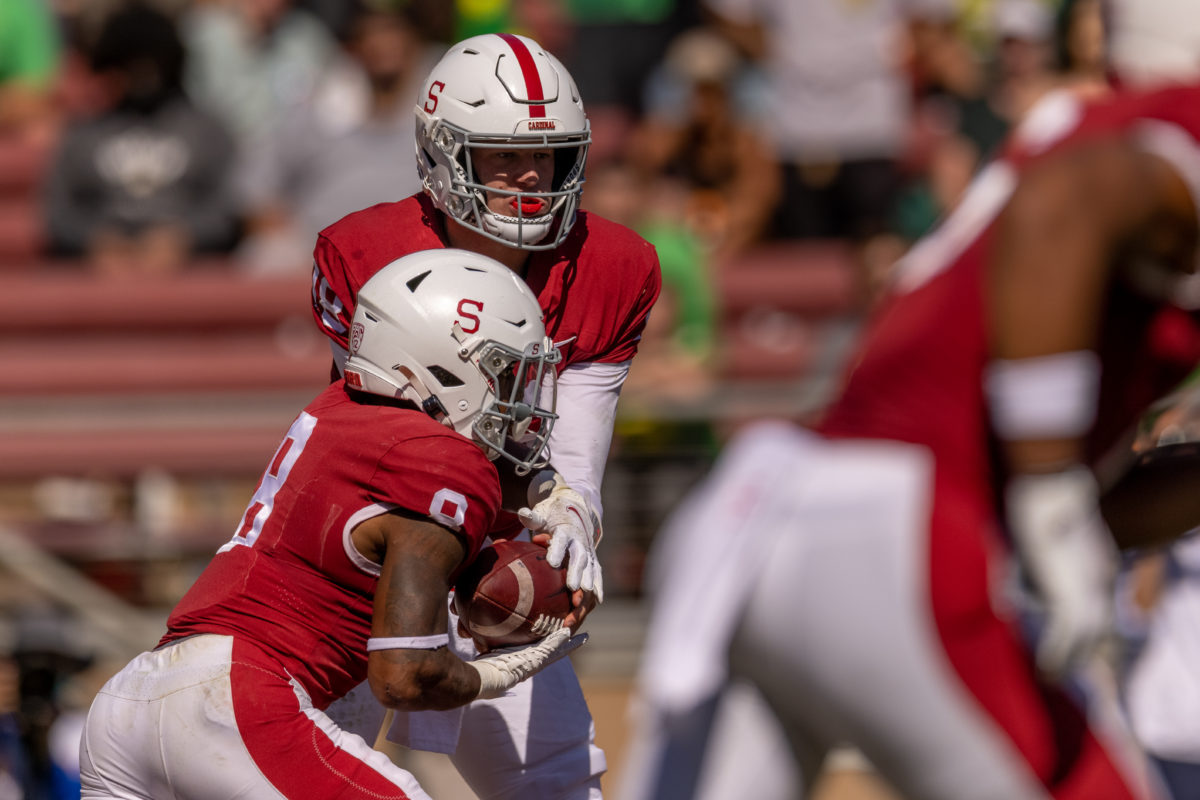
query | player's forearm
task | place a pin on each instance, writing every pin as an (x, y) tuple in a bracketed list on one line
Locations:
[(582, 435), (424, 681), (1046, 287)]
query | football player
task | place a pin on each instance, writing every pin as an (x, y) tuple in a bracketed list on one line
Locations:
[(502, 143), (381, 493), (857, 572)]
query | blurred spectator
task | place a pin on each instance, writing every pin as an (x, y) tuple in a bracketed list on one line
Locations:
[(250, 60), (30, 49), (957, 123), (14, 759), (842, 113), (614, 45), (1024, 61), (677, 351), (433, 19), (1079, 35), (145, 184), (841, 102), (49, 654), (29, 52), (953, 86), (73, 697), (703, 110), (348, 146), (554, 24), (968, 101)]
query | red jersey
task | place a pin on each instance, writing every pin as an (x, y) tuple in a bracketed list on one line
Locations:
[(596, 288), (291, 580), (919, 375)]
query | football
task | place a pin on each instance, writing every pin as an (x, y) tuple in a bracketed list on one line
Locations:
[(510, 595)]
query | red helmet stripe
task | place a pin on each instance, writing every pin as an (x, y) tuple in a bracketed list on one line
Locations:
[(533, 81)]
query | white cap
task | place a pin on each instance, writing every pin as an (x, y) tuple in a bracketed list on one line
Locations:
[(1154, 41), (1029, 20)]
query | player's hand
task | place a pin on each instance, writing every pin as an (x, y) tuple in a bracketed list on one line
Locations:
[(582, 604), (1056, 524), (501, 671), (572, 527)]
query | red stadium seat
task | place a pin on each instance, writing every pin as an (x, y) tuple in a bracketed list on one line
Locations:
[(775, 300), (22, 236), (23, 161), (197, 374)]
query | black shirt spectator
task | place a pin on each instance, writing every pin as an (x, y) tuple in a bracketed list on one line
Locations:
[(145, 184)]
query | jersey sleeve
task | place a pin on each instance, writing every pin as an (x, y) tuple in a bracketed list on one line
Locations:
[(582, 436), (445, 478), (334, 290)]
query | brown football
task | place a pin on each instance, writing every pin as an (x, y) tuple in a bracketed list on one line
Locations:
[(510, 595)]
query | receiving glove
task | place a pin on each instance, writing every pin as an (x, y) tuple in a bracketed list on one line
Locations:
[(574, 530), (1056, 524), (500, 672)]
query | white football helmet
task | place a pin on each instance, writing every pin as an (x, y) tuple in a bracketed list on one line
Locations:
[(495, 91), (1154, 41), (461, 336)]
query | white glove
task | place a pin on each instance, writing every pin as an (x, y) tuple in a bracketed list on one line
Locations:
[(1056, 524), (500, 672), (574, 530)]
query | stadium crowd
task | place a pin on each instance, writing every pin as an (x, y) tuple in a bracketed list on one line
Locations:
[(741, 122)]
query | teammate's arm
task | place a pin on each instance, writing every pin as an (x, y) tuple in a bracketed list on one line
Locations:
[(1071, 219), (587, 411)]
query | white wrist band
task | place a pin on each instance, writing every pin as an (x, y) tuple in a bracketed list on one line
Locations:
[(431, 642), (1047, 397)]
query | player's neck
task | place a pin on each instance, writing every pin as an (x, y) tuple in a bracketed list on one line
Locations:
[(464, 238)]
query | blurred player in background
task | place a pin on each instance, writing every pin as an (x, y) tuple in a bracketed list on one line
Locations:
[(856, 573), (381, 493), (502, 143)]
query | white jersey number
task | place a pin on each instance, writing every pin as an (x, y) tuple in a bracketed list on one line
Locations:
[(327, 304), (263, 500)]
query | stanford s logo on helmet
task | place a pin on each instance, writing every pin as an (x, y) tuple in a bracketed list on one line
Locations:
[(461, 337), (502, 91)]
